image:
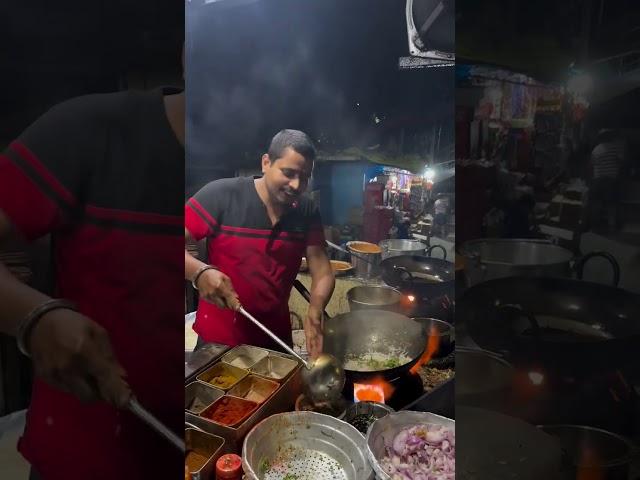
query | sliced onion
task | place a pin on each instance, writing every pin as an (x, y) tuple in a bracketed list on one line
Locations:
[(422, 452)]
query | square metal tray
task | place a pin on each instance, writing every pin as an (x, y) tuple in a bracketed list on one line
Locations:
[(244, 356), (195, 362), (281, 401)]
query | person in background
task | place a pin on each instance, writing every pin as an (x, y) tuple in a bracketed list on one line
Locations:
[(440, 209), (103, 175), (607, 161), (258, 230)]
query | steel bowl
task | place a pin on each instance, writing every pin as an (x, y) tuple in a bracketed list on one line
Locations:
[(382, 432), (375, 409), (305, 445)]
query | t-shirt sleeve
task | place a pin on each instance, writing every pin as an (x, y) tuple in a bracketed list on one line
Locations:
[(202, 212), (44, 171), (315, 233)]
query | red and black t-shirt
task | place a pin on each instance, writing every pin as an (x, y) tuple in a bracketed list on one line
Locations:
[(261, 259), (104, 174)]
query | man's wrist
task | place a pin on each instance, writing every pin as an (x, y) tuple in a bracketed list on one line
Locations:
[(29, 323)]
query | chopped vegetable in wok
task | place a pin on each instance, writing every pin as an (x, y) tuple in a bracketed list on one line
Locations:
[(374, 363)]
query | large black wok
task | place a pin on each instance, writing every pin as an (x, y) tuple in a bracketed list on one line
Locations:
[(362, 333), (419, 274), (560, 322)]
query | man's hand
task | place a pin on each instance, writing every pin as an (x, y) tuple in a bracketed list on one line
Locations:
[(215, 287), (313, 331), (73, 353)]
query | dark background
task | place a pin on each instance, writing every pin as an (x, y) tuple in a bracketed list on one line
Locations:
[(543, 37), (52, 51), (259, 67)]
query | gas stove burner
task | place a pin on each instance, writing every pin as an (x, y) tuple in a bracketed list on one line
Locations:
[(406, 389), (448, 361)]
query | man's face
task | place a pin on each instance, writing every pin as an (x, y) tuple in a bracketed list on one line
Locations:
[(287, 177)]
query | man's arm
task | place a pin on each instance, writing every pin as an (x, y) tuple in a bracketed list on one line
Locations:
[(322, 278), (69, 351), (43, 175), (191, 264), (322, 285), (16, 298), (213, 285)]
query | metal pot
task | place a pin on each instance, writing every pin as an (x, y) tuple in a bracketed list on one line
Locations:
[(444, 331), (366, 265), (395, 247), (305, 445), (593, 452), (365, 297), (488, 259)]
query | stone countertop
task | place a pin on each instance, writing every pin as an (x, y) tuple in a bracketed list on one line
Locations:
[(338, 304)]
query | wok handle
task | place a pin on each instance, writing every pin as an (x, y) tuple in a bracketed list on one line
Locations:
[(403, 271), (430, 249), (580, 263), (299, 286)]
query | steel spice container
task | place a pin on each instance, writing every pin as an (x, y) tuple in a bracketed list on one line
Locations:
[(290, 386)]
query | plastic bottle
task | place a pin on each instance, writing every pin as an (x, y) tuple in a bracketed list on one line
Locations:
[(229, 467)]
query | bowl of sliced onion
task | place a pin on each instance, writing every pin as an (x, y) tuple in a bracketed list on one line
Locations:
[(412, 446)]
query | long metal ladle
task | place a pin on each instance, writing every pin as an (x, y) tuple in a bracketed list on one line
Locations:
[(323, 378), (144, 415)]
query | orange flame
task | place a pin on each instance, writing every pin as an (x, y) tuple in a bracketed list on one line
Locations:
[(588, 468), (407, 301), (375, 390), (433, 344)]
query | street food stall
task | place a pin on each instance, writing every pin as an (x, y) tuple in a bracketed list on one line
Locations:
[(399, 371)]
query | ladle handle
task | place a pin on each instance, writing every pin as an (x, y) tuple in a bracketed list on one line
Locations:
[(273, 336), (154, 423), (306, 294)]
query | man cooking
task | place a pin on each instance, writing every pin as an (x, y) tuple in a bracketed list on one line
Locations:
[(257, 231), (89, 172)]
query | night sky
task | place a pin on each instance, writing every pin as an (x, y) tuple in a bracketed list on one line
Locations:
[(255, 69)]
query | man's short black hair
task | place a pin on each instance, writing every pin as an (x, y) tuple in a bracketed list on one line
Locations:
[(298, 141)]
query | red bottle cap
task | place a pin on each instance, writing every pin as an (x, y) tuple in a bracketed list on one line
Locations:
[(229, 467)]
